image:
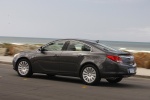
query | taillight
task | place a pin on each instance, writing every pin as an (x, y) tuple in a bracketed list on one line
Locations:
[(114, 58)]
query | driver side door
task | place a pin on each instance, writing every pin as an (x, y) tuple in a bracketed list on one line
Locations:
[(48, 59)]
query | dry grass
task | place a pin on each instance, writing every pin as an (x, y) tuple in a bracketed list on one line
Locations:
[(9, 48), (12, 49), (142, 59)]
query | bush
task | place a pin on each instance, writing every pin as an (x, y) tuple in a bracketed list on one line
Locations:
[(142, 59), (12, 49)]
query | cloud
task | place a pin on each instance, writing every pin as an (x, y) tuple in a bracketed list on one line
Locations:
[(145, 30), (136, 34), (139, 34), (113, 1)]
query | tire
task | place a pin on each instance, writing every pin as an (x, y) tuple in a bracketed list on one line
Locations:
[(90, 75), (114, 79), (24, 68)]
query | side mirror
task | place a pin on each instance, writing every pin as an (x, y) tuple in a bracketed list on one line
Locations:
[(41, 49)]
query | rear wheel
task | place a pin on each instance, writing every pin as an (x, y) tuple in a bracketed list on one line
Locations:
[(114, 79), (90, 75), (24, 68)]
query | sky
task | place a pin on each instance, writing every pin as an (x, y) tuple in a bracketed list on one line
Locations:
[(113, 20)]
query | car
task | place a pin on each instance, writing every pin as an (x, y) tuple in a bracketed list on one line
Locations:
[(85, 59)]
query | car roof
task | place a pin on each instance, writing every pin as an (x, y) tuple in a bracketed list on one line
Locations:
[(82, 40)]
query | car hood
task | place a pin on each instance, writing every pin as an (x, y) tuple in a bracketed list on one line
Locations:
[(29, 51)]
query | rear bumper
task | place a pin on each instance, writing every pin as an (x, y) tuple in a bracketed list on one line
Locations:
[(117, 70), (116, 74)]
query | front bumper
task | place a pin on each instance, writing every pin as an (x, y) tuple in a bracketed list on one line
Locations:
[(15, 61)]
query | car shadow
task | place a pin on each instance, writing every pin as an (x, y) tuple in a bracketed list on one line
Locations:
[(58, 78), (117, 85), (102, 83)]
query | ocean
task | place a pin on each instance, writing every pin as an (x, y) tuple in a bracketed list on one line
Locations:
[(139, 46)]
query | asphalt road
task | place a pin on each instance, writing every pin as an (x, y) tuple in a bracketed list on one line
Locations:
[(41, 87)]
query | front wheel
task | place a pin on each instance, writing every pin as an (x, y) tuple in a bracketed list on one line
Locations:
[(114, 79), (24, 68), (90, 75)]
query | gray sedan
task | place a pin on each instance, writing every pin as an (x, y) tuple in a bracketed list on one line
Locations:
[(88, 60)]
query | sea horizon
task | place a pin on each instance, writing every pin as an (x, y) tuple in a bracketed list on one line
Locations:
[(124, 45)]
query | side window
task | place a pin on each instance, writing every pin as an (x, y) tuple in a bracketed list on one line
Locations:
[(78, 46), (56, 46)]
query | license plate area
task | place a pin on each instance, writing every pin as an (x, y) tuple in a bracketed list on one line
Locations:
[(131, 70)]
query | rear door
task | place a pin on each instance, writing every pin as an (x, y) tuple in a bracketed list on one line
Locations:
[(71, 58)]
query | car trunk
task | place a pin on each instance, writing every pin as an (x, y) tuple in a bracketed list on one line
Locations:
[(127, 59)]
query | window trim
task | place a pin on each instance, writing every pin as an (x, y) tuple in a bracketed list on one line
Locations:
[(91, 48), (63, 48)]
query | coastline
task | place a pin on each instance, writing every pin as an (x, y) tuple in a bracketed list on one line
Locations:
[(134, 51), (142, 57)]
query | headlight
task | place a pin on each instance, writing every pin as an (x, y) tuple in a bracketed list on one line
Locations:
[(16, 55)]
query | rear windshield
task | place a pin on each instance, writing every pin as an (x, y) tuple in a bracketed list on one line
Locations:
[(104, 47)]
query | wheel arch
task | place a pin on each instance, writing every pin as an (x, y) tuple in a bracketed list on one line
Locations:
[(21, 59), (88, 63)]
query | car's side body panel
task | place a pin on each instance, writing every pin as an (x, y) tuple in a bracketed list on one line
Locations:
[(71, 62), (46, 62)]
